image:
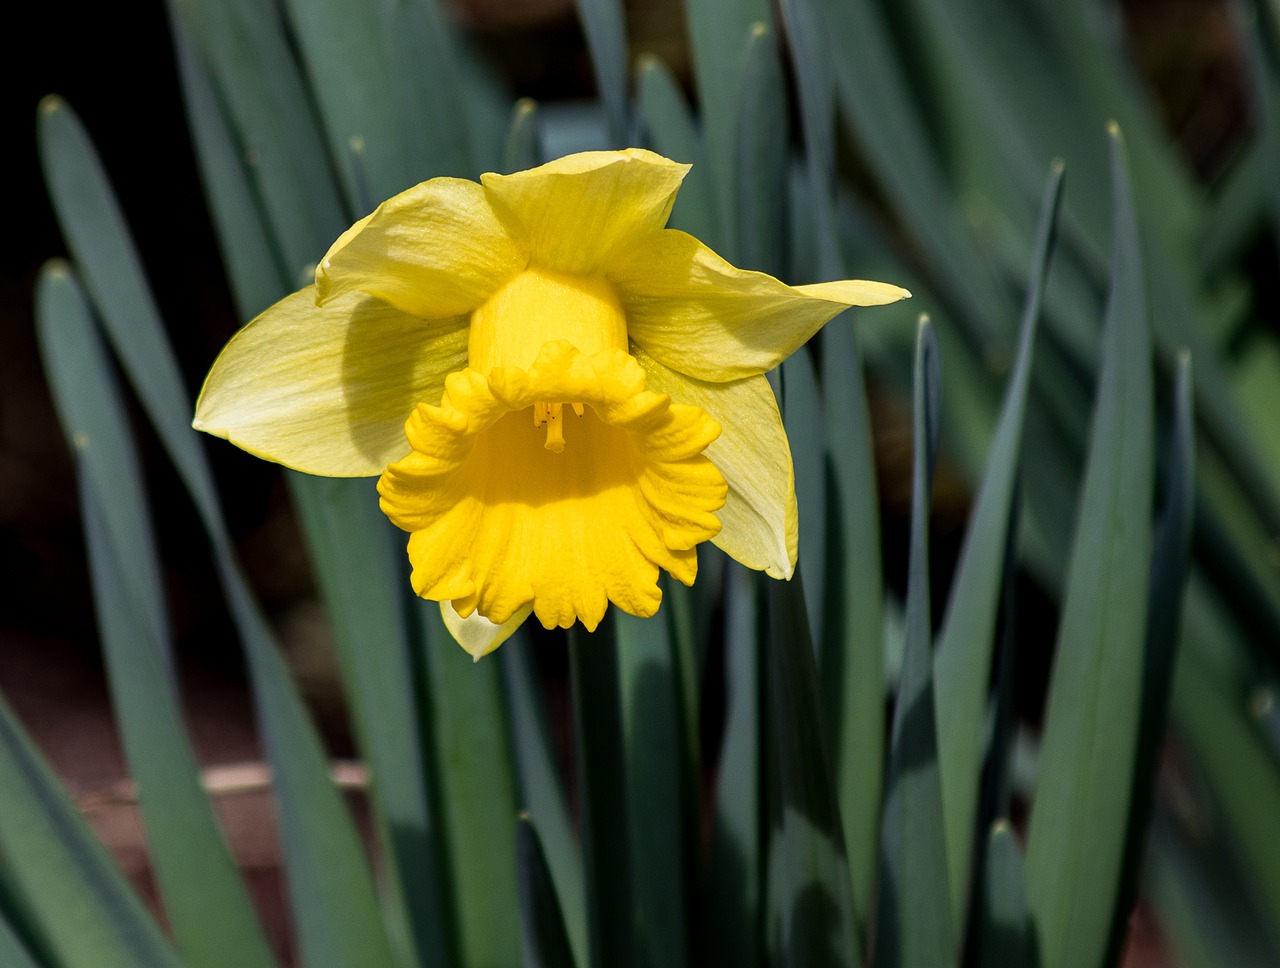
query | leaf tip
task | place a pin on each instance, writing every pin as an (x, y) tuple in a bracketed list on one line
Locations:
[(50, 104)]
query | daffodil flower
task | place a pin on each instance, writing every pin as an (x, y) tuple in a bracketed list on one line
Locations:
[(561, 395)]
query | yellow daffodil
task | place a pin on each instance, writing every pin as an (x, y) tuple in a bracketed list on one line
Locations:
[(561, 395)]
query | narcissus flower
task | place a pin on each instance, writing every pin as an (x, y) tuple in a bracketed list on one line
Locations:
[(561, 395)]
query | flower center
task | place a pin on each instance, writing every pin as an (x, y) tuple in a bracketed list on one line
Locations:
[(537, 307), (498, 523)]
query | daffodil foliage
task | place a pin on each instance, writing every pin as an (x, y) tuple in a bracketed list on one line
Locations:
[(562, 396)]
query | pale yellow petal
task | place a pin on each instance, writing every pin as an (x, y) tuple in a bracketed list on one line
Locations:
[(327, 389), (855, 292), (580, 209), (696, 313), (476, 634), (436, 250), (759, 523)]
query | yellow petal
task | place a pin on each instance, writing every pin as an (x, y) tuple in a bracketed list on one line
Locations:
[(579, 209), (327, 389), (759, 523), (499, 521), (436, 250), (696, 313), (476, 634)]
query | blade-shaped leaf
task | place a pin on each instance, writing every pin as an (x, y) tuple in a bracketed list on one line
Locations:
[(73, 895), (914, 928), (719, 64), (874, 94), (13, 954), (760, 169), (1170, 563), (356, 586), (659, 807), (475, 781), (329, 881), (607, 43), (803, 419), (1203, 905), (1004, 937), (357, 569), (523, 148), (602, 784), (731, 934), (358, 99), (257, 275), (203, 896), (542, 795), (669, 125), (809, 905), (852, 653), (1076, 838), (546, 945), (962, 668), (243, 48)]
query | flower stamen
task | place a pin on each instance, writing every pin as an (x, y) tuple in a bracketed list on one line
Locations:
[(552, 416)]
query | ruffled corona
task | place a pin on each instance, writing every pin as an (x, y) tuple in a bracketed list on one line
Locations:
[(500, 520)]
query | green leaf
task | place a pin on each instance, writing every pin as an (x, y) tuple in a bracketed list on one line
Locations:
[(13, 954), (716, 31), (760, 171), (542, 795), (330, 886), (546, 945), (815, 83), (731, 934), (602, 784), (1076, 839), (669, 124), (104, 253), (254, 268), (1004, 937), (874, 94), (852, 651), (244, 50), (690, 613), (331, 892), (1170, 564), (475, 783), (962, 668), (357, 559), (385, 77), (806, 430), (913, 919), (203, 895), (1108, 83), (660, 807), (71, 893), (607, 44), (359, 100), (809, 913), (1203, 906), (356, 588), (1211, 714), (523, 149)]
